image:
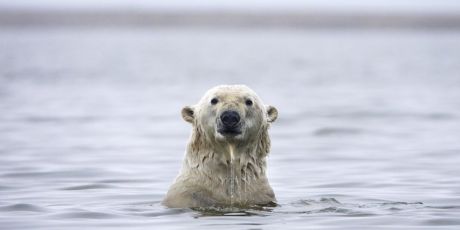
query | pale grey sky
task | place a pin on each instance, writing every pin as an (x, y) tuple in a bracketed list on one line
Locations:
[(448, 6)]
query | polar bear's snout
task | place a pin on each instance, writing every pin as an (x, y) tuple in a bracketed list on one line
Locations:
[(229, 123), (230, 119)]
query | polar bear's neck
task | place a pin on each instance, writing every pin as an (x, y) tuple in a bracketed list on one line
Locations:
[(234, 181), (217, 162)]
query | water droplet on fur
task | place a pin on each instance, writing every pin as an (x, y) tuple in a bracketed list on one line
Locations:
[(232, 176)]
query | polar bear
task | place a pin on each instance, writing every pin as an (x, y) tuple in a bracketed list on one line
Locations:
[(225, 160)]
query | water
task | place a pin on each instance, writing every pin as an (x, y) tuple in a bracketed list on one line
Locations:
[(91, 134)]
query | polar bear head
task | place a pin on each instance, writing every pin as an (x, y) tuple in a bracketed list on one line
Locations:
[(230, 114)]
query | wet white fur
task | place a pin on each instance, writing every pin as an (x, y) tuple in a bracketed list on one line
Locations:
[(205, 179)]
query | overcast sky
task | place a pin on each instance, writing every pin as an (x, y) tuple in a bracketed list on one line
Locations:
[(448, 6)]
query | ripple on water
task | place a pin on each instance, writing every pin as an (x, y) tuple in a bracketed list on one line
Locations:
[(120, 181), (3, 187), (88, 186), (445, 207), (85, 214), (212, 211), (80, 173), (337, 131), (443, 221), (164, 212), (333, 206), (22, 207), (151, 209), (321, 206)]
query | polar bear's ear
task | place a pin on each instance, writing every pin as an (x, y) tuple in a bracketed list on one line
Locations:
[(188, 114), (272, 113)]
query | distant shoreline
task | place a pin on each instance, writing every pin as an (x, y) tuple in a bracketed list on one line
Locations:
[(227, 19)]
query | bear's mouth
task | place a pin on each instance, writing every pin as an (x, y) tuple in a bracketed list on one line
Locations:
[(229, 131)]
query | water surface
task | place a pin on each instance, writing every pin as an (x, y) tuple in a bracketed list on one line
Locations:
[(91, 134)]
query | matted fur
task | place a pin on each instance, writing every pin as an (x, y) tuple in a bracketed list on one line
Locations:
[(205, 179)]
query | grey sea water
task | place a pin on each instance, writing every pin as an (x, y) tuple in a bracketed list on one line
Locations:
[(91, 135)]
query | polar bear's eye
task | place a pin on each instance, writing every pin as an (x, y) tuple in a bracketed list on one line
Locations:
[(214, 101), (248, 102)]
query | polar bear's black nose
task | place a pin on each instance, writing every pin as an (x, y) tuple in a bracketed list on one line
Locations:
[(230, 118)]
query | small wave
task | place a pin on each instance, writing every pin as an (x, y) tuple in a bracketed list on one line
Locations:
[(332, 205), (166, 212), (255, 210), (86, 215), (445, 207), (54, 174), (323, 200), (339, 185), (89, 186), (321, 206), (400, 203), (117, 181), (22, 207), (370, 115), (328, 131), (443, 221), (3, 187), (152, 209), (56, 119), (215, 212)]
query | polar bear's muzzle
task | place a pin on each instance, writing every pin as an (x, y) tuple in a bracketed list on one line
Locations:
[(229, 123)]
